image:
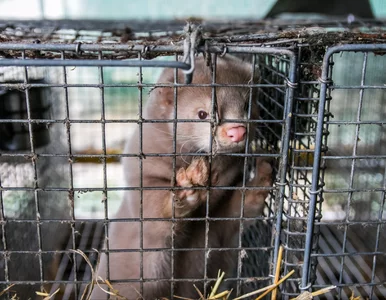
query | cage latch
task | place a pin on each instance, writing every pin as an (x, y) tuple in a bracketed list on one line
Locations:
[(193, 35)]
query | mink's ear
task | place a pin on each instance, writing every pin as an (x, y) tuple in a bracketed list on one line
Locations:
[(162, 97), (167, 76)]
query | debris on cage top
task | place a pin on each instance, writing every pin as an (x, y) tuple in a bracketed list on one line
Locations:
[(279, 33)]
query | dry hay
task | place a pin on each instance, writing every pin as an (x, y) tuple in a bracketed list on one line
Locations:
[(213, 295)]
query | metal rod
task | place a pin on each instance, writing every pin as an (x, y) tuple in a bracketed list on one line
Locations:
[(287, 115), (315, 188), (93, 63)]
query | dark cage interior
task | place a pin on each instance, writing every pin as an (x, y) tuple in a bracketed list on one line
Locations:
[(303, 99)]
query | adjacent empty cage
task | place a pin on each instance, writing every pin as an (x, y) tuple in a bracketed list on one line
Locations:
[(70, 97), (351, 254)]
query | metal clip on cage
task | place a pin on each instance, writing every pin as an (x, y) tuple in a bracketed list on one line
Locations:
[(297, 100), (191, 42)]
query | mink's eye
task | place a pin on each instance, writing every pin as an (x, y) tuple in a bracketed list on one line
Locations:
[(202, 114)]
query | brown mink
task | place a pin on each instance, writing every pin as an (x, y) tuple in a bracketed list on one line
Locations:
[(162, 210)]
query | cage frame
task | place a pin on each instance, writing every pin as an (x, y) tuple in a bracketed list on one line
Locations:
[(316, 187), (292, 83)]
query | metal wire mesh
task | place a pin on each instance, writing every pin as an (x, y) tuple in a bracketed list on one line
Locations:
[(360, 186), (105, 102), (68, 118)]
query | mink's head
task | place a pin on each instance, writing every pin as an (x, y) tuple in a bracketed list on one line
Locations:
[(209, 117)]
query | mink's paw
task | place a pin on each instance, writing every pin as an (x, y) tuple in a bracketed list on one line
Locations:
[(196, 174)]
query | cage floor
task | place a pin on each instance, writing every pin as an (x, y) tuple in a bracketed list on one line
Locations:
[(356, 265), (88, 236), (355, 268)]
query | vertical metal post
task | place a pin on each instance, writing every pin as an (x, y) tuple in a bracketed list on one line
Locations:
[(292, 84), (315, 188), (141, 157), (34, 158), (174, 164)]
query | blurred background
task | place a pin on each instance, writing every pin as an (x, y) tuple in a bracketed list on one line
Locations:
[(120, 102), (155, 9)]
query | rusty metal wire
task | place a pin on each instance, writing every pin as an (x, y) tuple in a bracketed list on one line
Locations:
[(295, 96), (124, 38)]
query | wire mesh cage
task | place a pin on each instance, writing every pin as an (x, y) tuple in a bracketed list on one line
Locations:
[(326, 199), (357, 255)]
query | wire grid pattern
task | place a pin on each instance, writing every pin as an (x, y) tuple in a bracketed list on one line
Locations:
[(292, 185), (273, 88), (355, 138), (271, 136), (299, 175), (165, 37)]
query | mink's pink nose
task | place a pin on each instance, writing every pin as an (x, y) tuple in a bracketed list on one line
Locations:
[(236, 134)]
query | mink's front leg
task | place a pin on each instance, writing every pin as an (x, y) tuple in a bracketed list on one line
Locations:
[(187, 200)]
